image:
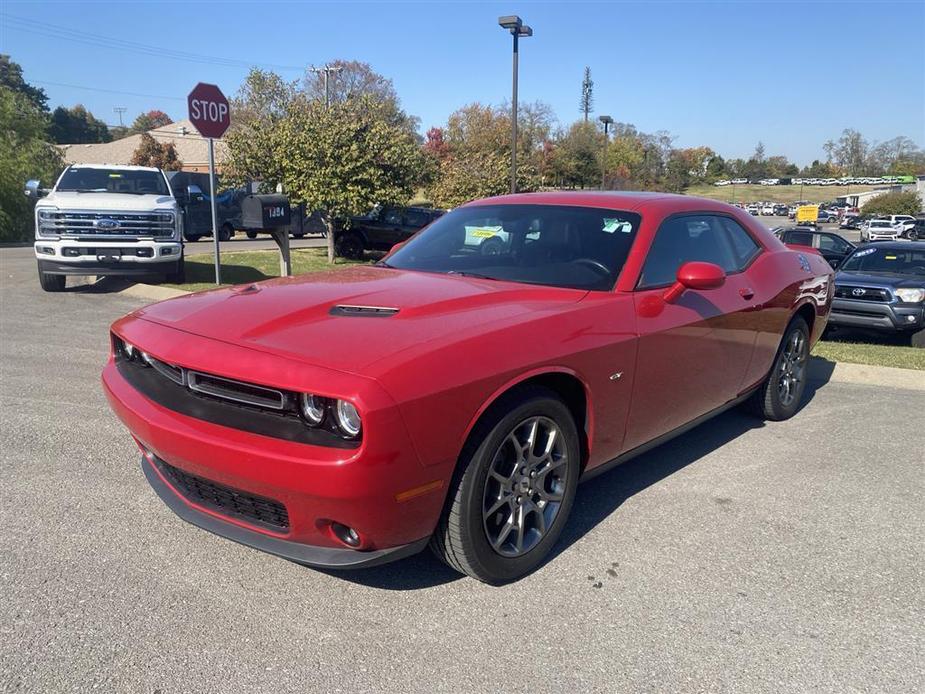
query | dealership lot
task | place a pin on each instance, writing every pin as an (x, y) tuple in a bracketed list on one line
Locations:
[(741, 556)]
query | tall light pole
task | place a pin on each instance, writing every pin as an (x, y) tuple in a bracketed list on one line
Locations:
[(515, 25), (606, 120)]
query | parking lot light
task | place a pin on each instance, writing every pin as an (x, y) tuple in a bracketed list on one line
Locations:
[(515, 25), (606, 120)]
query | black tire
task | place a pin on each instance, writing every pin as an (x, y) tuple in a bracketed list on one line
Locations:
[(461, 538), (251, 234), (192, 238), (769, 402), (298, 236), (350, 245), (225, 233), (178, 276), (917, 339), (51, 283)]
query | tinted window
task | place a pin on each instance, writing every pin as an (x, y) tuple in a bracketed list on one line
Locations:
[(414, 218), (878, 259), (832, 243), (561, 246), (113, 181), (682, 239), (391, 216), (801, 238)]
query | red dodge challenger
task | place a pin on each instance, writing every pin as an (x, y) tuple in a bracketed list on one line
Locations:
[(456, 392)]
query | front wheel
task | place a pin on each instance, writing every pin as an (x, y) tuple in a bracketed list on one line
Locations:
[(514, 489), (251, 234), (350, 245), (780, 395), (51, 283)]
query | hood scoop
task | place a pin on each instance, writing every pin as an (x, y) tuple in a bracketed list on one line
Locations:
[(363, 311)]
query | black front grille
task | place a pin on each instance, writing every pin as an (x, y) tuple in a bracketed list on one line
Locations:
[(257, 510), (862, 293)]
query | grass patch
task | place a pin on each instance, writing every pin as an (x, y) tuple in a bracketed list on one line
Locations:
[(871, 354), (254, 266), (782, 194)]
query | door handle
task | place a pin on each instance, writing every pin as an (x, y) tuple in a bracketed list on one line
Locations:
[(747, 293)]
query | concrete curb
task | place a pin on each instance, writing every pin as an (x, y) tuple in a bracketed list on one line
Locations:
[(153, 292), (822, 370)]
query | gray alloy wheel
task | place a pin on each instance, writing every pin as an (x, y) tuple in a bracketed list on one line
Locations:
[(792, 370), (526, 482), (513, 489)]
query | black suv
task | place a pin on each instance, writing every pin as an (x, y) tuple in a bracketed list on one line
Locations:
[(881, 286), (830, 245), (381, 229)]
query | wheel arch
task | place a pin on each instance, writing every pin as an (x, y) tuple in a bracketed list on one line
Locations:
[(564, 382)]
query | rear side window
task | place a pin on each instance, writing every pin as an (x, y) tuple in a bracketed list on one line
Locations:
[(744, 247), (414, 218), (832, 243), (391, 216)]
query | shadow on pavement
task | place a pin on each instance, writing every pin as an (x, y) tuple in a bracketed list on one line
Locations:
[(602, 495)]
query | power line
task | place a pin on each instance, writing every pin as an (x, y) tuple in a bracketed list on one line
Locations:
[(68, 34), (109, 91)]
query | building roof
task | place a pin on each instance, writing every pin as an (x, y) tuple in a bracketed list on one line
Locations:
[(192, 148)]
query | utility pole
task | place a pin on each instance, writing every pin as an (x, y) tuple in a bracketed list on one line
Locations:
[(120, 110), (326, 70)]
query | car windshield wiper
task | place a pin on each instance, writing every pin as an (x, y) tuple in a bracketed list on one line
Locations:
[(382, 263), (465, 273)]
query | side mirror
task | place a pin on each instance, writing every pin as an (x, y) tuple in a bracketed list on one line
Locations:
[(695, 275), (194, 193), (34, 189)]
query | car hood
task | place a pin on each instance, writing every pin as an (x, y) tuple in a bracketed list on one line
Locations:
[(297, 316), (71, 200), (886, 279)]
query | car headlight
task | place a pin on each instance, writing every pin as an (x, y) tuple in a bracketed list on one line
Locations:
[(348, 419), (313, 408), (46, 217), (910, 295)]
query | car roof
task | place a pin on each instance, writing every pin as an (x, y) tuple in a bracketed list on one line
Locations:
[(117, 167), (895, 245), (614, 200)]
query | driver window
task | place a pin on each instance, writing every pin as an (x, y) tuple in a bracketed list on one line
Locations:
[(683, 239), (392, 216)]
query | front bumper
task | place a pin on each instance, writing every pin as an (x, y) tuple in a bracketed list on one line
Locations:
[(365, 488), (877, 316), (72, 257)]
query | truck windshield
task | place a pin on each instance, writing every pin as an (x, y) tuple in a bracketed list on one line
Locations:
[(898, 261), (95, 180)]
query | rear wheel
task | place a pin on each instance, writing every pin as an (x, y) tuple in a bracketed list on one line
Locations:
[(350, 245), (514, 490), (51, 283), (780, 395), (226, 232), (251, 234)]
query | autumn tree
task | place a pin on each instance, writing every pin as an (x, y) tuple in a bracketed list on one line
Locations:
[(150, 121), (162, 155)]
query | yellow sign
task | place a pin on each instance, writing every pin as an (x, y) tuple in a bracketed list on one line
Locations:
[(484, 233), (807, 213)]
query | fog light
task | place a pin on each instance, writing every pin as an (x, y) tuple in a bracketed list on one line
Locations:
[(910, 319), (47, 250), (346, 534)]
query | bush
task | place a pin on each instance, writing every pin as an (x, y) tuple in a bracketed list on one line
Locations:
[(893, 203)]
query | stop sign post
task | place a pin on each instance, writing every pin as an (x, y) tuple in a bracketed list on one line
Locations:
[(210, 115)]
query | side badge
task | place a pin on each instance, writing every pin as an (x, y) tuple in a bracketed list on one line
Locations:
[(804, 263)]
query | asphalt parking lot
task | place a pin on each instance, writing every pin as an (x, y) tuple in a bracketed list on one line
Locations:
[(741, 557)]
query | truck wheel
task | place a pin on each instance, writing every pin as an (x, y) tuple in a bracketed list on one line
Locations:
[(178, 276), (192, 238), (298, 236), (917, 339), (350, 246), (51, 283), (514, 489), (225, 233), (251, 234)]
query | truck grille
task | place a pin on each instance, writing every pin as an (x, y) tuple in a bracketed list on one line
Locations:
[(862, 293), (228, 501), (111, 224)]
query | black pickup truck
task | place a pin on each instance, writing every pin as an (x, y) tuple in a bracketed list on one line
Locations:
[(380, 229), (881, 286)]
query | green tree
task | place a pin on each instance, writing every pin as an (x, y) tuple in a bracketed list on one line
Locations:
[(345, 159), (77, 126), (150, 152), (908, 202), (149, 121), (24, 154), (577, 158), (11, 78)]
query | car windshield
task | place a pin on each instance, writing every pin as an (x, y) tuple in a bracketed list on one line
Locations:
[(94, 180), (904, 261), (558, 246)]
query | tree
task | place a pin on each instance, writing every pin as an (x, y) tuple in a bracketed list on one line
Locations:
[(893, 203), (11, 78), (345, 159), (850, 152), (758, 156), (586, 105), (150, 121), (24, 154), (77, 126), (150, 152), (577, 160)]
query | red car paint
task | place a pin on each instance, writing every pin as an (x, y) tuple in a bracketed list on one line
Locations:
[(422, 377)]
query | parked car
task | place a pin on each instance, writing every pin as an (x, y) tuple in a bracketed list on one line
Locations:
[(882, 287), (918, 230), (879, 230), (753, 210), (830, 245), (767, 209), (826, 216), (381, 229), (905, 222), (850, 221), (781, 210), (452, 398)]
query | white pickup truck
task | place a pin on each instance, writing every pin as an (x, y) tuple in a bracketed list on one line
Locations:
[(108, 220)]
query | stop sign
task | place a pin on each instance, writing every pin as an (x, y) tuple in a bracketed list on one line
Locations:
[(208, 110)]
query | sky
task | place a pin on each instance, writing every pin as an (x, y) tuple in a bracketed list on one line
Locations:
[(721, 74)]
